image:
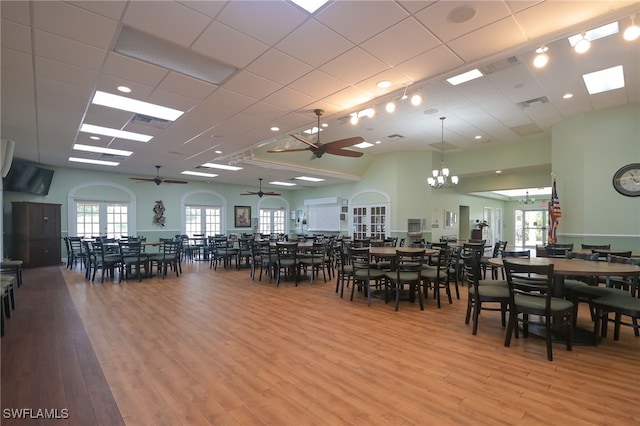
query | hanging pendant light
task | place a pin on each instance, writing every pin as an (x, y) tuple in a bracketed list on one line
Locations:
[(527, 201), (440, 178)]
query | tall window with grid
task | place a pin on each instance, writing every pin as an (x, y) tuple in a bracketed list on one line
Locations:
[(203, 220), (272, 221), (87, 219), (369, 222), (117, 220)]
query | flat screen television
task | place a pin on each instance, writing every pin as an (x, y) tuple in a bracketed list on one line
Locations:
[(28, 178)]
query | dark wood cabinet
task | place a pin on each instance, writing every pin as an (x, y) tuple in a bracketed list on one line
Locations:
[(476, 234), (36, 233)]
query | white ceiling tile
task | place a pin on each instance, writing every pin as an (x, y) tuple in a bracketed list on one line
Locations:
[(229, 46), (15, 60), (353, 66), (166, 19), (62, 72), (54, 17), (314, 44), (289, 99), (130, 69), (110, 9), (186, 86), (385, 45), (268, 22), (208, 8), (429, 64), (340, 16), (66, 50), (500, 35), (15, 11), (317, 84), (252, 85), (279, 67), (16, 36)]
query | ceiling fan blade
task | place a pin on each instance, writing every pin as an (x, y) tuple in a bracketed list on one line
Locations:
[(270, 193), (305, 142), (289, 150), (174, 181), (249, 193), (142, 179), (344, 152), (343, 143)]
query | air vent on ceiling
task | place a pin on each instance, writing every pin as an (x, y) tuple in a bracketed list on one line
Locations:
[(533, 102), (112, 157), (527, 129), (394, 137), (145, 120), (500, 65)]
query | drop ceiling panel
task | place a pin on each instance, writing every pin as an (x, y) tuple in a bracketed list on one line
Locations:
[(16, 36), (186, 86), (289, 99), (437, 61), (17, 62), (166, 19), (340, 17), (279, 67), (60, 71), (317, 84), (436, 18), (486, 41), (109, 9), (90, 28), (265, 21), (353, 66), (15, 11), (131, 69), (71, 52), (385, 45), (252, 85), (326, 44), (214, 43)]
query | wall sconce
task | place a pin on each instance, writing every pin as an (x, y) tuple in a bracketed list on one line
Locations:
[(541, 59)]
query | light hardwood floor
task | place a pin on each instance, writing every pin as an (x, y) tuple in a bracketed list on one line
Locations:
[(215, 347)]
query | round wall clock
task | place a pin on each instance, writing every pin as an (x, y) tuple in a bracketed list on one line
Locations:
[(627, 180)]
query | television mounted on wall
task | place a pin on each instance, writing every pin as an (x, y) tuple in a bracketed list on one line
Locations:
[(28, 178)]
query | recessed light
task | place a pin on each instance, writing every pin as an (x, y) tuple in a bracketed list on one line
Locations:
[(221, 166), (90, 161), (363, 145), (498, 171), (378, 142), (101, 150), (189, 172), (275, 129), (275, 182), (567, 96), (218, 152), (95, 138), (384, 84), (309, 179), (476, 137), (124, 89), (310, 5), (132, 105), (115, 133)]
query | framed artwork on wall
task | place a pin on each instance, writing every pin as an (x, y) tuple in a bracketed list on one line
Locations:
[(242, 216)]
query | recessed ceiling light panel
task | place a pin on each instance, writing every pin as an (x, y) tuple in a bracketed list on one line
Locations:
[(221, 166), (132, 105), (115, 133), (604, 80)]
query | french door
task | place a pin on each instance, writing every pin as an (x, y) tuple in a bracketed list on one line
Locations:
[(531, 228), (94, 218), (369, 222)]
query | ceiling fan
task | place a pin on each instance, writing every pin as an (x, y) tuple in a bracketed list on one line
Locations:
[(158, 180), (319, 149), (260, 193)]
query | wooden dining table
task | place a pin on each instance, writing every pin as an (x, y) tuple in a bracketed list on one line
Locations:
[(589, 251), (573, 267)]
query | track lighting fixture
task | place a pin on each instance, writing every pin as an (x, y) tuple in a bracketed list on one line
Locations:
[(582, 45), (541, 59), (632, 32)]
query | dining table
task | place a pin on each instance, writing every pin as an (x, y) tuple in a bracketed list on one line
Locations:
[(563, 267), (634, 253)]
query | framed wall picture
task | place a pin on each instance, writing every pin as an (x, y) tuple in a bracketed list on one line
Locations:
[(242, 216)]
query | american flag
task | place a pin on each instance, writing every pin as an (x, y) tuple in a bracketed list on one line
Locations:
[(554, 214)]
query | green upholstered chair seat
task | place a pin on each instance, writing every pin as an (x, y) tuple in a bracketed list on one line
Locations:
[(620, 302), (572, 284), (498, 283), (593, 292), (371, 274), (538, 303), (404, 276), (490, 291)]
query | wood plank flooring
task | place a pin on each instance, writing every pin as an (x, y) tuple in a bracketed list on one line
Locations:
[(216, 348)]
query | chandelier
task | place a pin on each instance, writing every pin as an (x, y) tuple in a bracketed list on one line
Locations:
[(527, 201), (440, 178)]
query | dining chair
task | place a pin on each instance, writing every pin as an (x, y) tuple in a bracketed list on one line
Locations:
[(166, 259), (408, 268), (364, 272), (531, 295), (596, 246), (316, 260), (439, 276), (522, 254), (287, 261), (344, 275), (105, 259), (498, 247), (557, 250), (619, 305), (479, 294), (133, 258)]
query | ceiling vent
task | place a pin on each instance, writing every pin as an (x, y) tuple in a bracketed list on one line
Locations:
[(499, 65), (527, 129), (146, 120), (533, 102), (112, 157)]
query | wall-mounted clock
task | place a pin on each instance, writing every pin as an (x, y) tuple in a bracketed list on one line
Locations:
[(627, 180)]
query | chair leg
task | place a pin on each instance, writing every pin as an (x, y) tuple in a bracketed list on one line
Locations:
[(476, 314), (468, 314)]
